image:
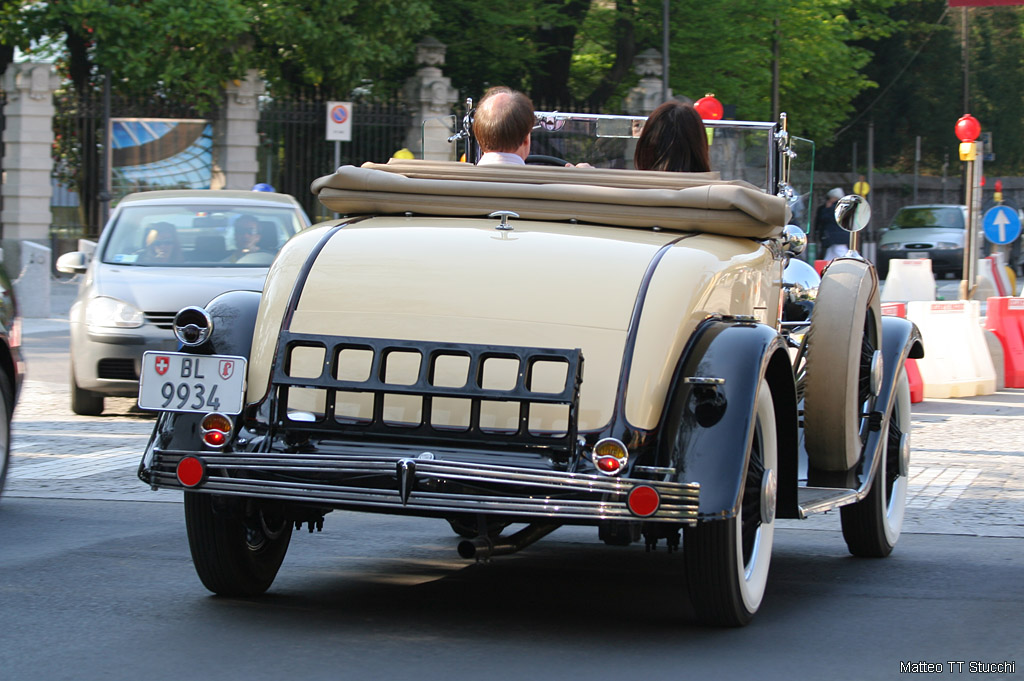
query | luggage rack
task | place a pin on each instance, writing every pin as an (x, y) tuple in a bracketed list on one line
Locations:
[(330, 425)]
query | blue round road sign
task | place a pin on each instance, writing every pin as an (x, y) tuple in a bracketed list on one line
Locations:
[(1002, 225)]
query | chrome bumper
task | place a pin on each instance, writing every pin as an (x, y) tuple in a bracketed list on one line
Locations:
[(417, 485)]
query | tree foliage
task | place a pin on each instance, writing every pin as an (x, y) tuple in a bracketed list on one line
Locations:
[(842, 64), (187, 49)]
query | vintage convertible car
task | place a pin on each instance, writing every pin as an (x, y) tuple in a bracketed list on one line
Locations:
[(638, 352)]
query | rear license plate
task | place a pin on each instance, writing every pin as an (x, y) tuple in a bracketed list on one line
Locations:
[(177, 381), (915, 255)]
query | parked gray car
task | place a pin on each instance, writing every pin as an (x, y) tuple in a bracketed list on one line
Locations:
[(934, 231), (159, 252)]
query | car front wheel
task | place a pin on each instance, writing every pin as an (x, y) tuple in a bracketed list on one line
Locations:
[(236, 549), (84, 402), (727, 561), (6, 410), (872, 525)]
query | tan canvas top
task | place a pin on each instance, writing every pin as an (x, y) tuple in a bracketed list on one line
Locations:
[(680, 201)]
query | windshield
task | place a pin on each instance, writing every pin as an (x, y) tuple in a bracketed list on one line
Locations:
[(199, 235), (739, 150), (948, 217)]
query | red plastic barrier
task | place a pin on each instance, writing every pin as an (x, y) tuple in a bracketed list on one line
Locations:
[(1005, 318), (913, 373)]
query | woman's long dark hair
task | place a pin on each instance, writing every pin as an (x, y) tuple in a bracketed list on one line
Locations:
[(674, 138)]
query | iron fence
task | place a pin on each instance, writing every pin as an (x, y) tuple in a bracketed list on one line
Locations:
[(78, 150), (294, 150)]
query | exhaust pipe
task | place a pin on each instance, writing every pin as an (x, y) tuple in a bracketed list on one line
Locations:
[(484, 547)]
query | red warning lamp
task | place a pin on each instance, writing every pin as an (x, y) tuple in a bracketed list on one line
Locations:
[(709, 108), (967, 128), (999, 185)]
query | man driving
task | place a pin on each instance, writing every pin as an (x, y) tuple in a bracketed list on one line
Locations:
[(502, 125)]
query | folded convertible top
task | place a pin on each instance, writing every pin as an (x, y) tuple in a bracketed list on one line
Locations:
[(696, 202)]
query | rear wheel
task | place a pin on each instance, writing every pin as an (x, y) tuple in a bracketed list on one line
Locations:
[(872, 525), (235, 552), (727, 561), (84, 402)]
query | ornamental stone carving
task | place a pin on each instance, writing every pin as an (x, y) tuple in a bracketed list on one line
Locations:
[(34, 79)]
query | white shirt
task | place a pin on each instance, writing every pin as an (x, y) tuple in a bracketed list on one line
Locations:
[(496, 157)]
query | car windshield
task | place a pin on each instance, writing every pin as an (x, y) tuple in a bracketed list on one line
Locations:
[(199, 235), (947, 217), (739, 150)]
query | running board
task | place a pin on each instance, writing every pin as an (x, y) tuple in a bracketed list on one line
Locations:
[(811, 500)]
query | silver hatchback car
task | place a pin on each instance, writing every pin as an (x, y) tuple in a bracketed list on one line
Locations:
[(934, 231), (159, 252)]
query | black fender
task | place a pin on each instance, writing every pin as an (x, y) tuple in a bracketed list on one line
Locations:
[(901, 340), (708, 427), (234, 322)]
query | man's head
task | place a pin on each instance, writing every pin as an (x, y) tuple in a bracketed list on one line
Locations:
[(834, 195), (503, 121)]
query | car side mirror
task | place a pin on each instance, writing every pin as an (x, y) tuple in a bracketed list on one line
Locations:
[(75, 262), (853, 212)]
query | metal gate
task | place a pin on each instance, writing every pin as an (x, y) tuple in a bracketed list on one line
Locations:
[(294, 150)]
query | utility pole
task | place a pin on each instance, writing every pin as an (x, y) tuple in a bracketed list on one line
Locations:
[(664, 50), (775, 69)]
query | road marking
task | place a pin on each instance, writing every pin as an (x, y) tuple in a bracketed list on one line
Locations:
[(73, 466), (938, 487)]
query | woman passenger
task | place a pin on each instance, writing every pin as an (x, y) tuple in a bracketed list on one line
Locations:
[(674, 138)]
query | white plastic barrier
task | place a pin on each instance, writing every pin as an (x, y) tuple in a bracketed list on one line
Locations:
[(909, 280), (956, 361), (992, 278)]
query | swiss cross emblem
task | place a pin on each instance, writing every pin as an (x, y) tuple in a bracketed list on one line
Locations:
[(162, 364), (227, 367)]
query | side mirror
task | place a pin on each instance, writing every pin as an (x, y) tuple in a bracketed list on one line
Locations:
[(75, 262), (794, 240), (853, 212)]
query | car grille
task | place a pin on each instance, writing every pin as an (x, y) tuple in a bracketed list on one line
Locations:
[(918, 247), (117, 368), (163, 320)]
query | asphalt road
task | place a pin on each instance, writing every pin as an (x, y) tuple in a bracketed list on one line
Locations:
[(105, 590), (96, 581)]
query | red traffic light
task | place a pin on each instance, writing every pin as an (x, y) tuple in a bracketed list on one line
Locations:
[(709, 108), (967, 128), (999, 185)]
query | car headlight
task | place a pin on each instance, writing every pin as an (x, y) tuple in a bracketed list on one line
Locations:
[(946, 246), (888, 247), (112, 313)]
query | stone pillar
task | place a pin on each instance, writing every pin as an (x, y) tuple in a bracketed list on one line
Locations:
[(431, 96), (646, 96), (26, 188), (28, 140), (235, 138)]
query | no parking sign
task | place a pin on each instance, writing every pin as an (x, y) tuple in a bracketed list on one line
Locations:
[(339, 121)]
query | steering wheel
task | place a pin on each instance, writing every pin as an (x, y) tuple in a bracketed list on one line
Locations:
[(544, 160)]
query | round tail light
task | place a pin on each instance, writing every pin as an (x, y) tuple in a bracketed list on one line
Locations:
[(216, 429), (610, 456)]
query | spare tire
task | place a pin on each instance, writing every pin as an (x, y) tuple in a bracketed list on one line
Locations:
[(845, 332)]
